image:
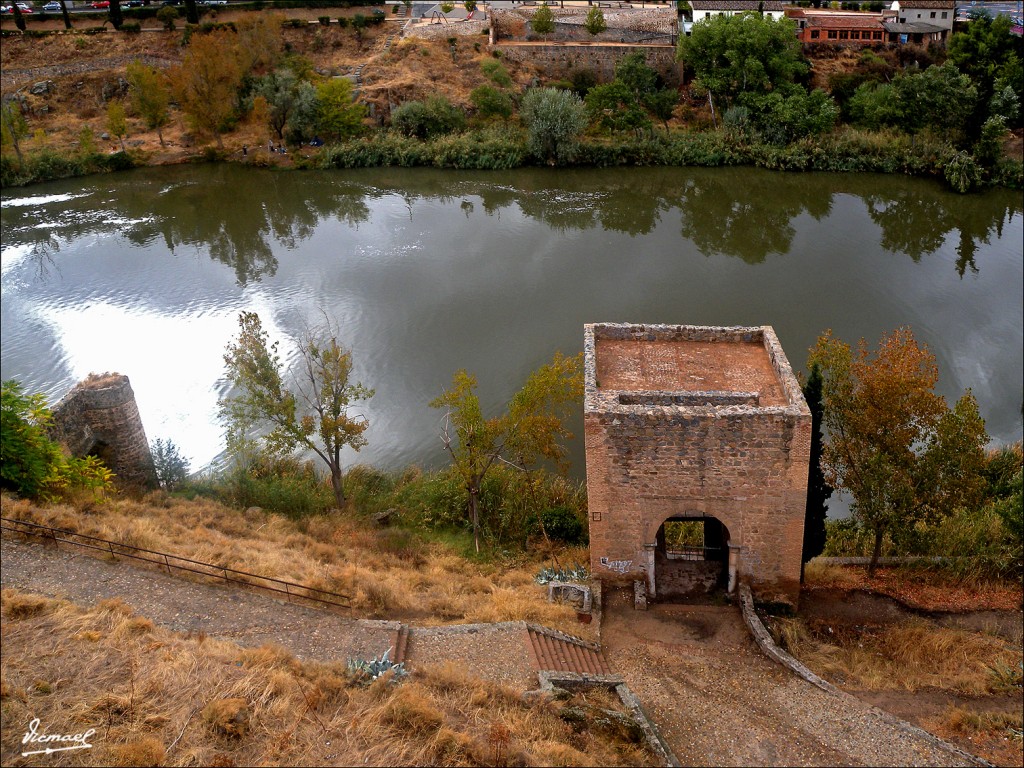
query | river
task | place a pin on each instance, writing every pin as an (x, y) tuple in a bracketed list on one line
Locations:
[(427, 271)]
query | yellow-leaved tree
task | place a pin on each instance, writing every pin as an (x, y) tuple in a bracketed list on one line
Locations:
[(894, 444)]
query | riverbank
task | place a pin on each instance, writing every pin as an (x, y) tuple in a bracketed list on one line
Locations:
[(65, 82)]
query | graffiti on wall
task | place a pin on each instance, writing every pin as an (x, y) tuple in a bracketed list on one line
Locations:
[(619, 566)]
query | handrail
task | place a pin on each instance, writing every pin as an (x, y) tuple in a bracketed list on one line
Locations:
[(228, 575)]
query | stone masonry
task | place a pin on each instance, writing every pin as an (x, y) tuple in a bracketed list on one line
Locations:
[(99, 416), (695, 422)]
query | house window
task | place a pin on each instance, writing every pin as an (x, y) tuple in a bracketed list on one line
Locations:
[(843, 34), (877, 35), (832, 34), (814, 34), (933, 14), (943, 14)]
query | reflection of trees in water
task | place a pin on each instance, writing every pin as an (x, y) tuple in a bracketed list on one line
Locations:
[(236, 218), (917, 220), (234, 215), (748, 216)]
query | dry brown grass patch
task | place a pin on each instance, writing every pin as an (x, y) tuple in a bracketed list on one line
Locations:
[(386, 573), (910, 655)]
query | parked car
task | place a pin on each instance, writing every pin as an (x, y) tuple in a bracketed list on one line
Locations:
[(52, 7), (10, 8), (133, 4), (214, 2), (100, 4)]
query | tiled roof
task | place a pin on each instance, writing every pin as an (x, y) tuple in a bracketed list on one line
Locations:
[(844, 22), (737, 5), (947, 4)]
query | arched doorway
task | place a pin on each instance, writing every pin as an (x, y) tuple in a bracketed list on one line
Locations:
[(691, 558)]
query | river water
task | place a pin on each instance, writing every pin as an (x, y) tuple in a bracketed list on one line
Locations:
[(428, 271)]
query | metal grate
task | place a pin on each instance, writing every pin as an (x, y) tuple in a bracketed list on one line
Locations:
[(171, 563)]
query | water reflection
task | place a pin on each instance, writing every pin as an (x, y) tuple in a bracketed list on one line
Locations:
[(429, 271)]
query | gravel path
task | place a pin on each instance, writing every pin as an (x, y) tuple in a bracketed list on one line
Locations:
[(715, 698), (718, 701)]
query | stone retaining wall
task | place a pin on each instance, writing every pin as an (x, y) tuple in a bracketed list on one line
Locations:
[(562, 60), (444, 31)]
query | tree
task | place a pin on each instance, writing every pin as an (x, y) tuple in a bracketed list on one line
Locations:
[(167, 15), (748, 53), (64, 13), (33, 465), (818, 489), (616, 108), (313, 415), (530, 429), (554, 120), (19, 18), (117, 122), (171, 467), (149, 95), (207, 82), (543, 21), (990, 54), (339, 116), (13, 126), (894, 445), (280, 90), (595, 23), (115, 15), (491, 102), (191, 12), (27, 455), (470, 6)]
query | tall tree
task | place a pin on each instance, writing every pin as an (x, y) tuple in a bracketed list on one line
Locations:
[(339, 116), (543, 21), (595, 23), (150, 96), (117, 121), (818, 489), (312, 415), (64, 13), (19, 17), (115, 15), (894, 445), (531, 429), (191, 12), (13, 126), (734, 55), (207, 82)]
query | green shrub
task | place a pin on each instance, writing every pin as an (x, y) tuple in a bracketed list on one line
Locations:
[(324, 20), (496, 72), (563, 524), (171, 467), (131, 28), (491, 103), (426, 119)]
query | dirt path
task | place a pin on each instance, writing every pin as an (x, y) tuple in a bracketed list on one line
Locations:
[(718, 701), (715, 698)]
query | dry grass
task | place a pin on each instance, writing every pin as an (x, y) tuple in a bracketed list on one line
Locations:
[(911, 655), (929, 590), (386, 573), (155, 696)]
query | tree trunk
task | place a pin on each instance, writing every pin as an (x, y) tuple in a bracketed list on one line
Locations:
[(338, 484), (65, 14), (160, 135), (474, 512), (19, 20), (874, 555), (191, 12)]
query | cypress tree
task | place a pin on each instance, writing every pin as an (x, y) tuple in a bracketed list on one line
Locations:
[(818, 491)]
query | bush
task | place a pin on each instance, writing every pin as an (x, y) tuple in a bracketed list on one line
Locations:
[(491, 103), (131, 28), (171, 467), (287, 485), (555, 119), (562, 524), (496, 72), (31, 464), (426, 119), (963, 173), (324, 20)]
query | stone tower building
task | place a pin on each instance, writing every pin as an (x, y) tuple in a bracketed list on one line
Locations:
[(696, 433), (99, 416)]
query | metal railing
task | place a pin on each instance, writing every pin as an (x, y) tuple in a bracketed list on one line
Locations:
[(684, 552), (170, 563)]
